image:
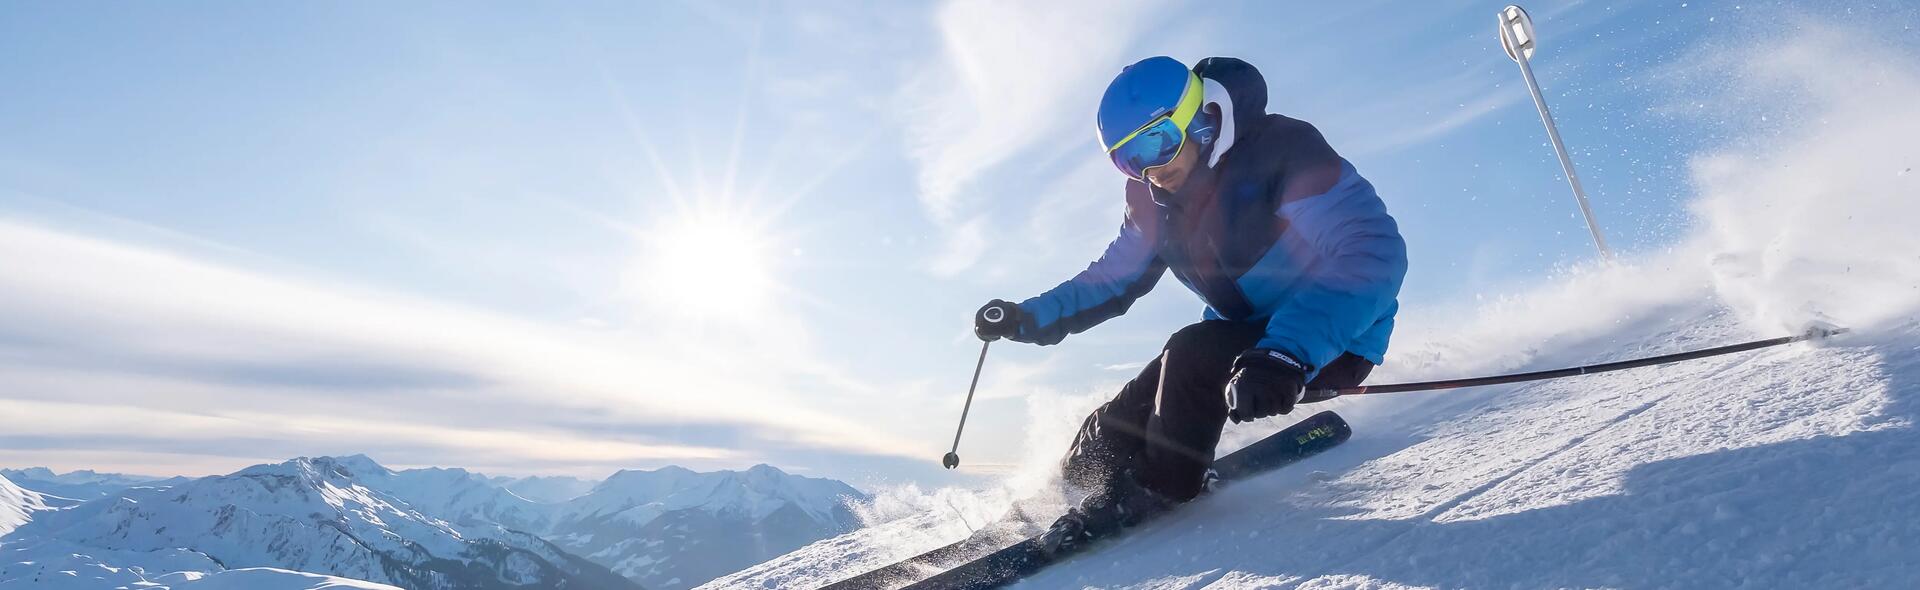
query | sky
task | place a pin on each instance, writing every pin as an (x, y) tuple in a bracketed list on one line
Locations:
[(570, 239)]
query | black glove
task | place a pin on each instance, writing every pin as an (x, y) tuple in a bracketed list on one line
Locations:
[(997, 319), (1264, 383)]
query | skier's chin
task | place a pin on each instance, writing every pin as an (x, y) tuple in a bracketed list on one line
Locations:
[(1169, 180)]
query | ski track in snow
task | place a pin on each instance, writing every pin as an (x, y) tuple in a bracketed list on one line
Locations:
[(1790, 467)]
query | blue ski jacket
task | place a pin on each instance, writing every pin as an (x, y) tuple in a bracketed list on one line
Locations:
[(1279, 229)]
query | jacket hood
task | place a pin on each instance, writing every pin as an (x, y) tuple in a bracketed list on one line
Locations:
[(1240, 93)]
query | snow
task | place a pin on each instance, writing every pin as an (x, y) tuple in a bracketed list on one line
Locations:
[(672, 528), (262, 578), (17, 506), (1791, 467), (350, 516), (58, 565), (1626, 480), (456, 495), (311, 515), (639, 496)]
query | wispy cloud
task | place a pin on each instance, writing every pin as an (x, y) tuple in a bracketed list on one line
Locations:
[(1476, 102), (150, 343), (1012, 75), (960, 248)]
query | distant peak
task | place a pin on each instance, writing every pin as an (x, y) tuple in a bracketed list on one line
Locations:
[(668, 470), (30, 472), (348, 465)]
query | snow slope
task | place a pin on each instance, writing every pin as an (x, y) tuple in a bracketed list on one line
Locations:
[(58, 565), (266, 578), (1794, 467), (17, 506)]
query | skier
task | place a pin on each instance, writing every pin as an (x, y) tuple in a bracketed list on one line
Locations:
[(1293, 253)]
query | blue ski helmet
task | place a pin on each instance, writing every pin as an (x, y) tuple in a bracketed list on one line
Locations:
[(1146, 112)]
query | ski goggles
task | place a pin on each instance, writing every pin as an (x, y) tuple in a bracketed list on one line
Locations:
[(1159, 141)]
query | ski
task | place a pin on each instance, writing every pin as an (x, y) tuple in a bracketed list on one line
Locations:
[(986, 540), (979, 561)]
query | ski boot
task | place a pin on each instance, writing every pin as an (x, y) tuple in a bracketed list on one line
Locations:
[(1122, 504)]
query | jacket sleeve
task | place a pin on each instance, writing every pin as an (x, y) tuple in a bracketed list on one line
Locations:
[(1353, 286), (1129, 269)]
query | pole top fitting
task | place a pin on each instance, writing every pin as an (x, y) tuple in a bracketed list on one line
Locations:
[(1516, 33)]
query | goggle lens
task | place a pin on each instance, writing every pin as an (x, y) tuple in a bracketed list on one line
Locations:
[(1156, 145)]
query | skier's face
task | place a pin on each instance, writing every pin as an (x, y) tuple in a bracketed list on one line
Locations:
[(1174, 174)]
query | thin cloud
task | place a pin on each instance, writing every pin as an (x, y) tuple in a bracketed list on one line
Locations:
[(1463, 114), (962, 245), (102, 326), (1011, 75)]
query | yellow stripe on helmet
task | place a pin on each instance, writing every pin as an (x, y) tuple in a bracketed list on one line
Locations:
[(1183, 113)]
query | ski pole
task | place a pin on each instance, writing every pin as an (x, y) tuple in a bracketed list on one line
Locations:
[(1815, 333), (993, 315), (1516, 36)]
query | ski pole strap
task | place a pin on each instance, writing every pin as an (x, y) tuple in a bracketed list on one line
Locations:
[(1817, 333)]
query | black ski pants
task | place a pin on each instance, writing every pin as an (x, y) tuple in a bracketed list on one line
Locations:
[(1164, 424)]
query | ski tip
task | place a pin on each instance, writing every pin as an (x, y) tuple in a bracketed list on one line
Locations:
[(1327, 417), (1328, 424)]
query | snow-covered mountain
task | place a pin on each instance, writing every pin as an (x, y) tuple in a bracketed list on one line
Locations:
[(673, 528), (29, 562), (18, 505), (455, 495), (84, 484), (668, 528), (315, 515), (425, 528)]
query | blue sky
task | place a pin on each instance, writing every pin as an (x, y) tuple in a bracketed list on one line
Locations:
[(605, 235)]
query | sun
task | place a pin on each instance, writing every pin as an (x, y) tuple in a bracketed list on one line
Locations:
[(707, 264)]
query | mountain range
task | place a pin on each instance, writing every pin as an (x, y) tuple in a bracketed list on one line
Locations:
[(313, 520), (84, 484), (673, 528)]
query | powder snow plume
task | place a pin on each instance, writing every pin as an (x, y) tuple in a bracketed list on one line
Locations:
[(1818, 222)]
